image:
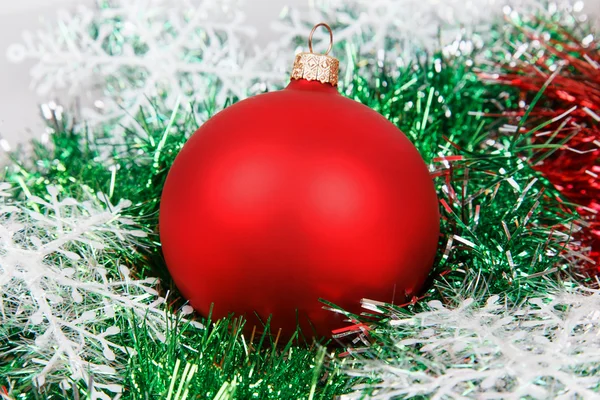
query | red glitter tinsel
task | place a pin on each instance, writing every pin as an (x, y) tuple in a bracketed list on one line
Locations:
[(568, 72)]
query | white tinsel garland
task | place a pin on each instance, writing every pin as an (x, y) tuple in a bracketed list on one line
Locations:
[(200, 50), (58, 303), (135, 50), (546, 348), (400, 29)]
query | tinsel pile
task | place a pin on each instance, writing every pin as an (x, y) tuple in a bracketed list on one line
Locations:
[(503, 103)]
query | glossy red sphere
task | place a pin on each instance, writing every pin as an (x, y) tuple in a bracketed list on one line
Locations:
[(296, 195)]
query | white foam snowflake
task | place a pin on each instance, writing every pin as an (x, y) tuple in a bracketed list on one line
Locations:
[(398, 30), (58, 303), (548, 347), (116, 56), (135, 50)]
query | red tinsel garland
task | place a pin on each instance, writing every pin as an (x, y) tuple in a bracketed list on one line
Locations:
[(568, 73)]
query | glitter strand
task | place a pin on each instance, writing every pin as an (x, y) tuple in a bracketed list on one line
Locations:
[(567, 152)]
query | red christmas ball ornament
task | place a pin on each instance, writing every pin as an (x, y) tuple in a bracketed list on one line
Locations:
[(296, 195)]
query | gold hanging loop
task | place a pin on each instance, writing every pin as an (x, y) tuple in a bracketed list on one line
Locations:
[(310, 37)]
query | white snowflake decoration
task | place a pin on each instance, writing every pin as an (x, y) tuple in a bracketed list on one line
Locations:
[(135, 50), (547, 348), (54, 289), (398, 30), (115, 57)]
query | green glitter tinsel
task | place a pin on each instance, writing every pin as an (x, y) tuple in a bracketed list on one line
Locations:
[(504, 227)]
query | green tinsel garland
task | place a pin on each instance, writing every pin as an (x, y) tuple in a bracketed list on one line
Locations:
[(501, 224)]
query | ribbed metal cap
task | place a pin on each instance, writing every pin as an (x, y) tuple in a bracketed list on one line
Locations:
[(316, 67)]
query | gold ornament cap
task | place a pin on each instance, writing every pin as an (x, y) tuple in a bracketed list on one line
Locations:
[(317, 67)]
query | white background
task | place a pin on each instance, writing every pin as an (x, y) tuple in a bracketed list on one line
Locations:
[(19, 118)]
